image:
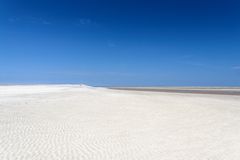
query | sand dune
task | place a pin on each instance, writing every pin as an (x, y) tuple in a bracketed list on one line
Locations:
[(76, 122)]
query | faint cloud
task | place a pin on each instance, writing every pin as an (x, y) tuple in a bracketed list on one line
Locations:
[(85, 21), (193, 63), (29, 19), (38, 20), (14, 19), (46, 22), (189, 59), (196, 64), (187, 56), (111, 44), (236, 67)]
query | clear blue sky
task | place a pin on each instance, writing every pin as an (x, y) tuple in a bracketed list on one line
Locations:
[(120, 42)]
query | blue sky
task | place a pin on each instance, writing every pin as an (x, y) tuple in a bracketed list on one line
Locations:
[(121, 42)]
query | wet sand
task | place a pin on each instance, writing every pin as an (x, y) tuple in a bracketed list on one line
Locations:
[(218, 91)]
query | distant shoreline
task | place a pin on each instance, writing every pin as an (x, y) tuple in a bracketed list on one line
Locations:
[(194, 90)]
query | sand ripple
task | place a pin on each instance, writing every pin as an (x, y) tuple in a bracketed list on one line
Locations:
[(86, 123)]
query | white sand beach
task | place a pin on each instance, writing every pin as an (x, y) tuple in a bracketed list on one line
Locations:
[(77, 122)]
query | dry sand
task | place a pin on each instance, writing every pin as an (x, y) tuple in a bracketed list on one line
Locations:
[(74, 122)]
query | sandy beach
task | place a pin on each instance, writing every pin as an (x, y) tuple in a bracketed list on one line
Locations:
[(78, 122)]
